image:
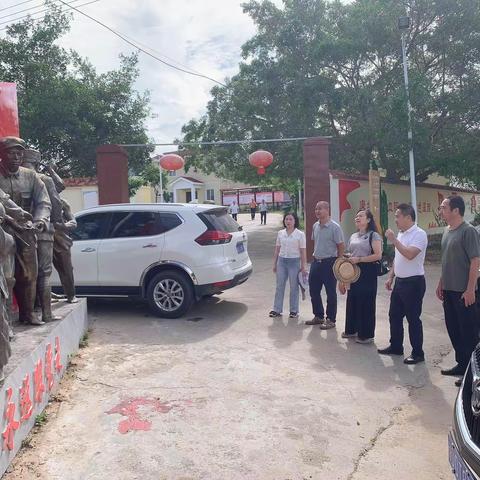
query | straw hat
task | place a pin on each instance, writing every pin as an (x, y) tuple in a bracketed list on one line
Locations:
[(345, 271)]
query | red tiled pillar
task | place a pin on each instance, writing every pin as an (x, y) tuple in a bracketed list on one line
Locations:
[(112, 174), (316, 182)]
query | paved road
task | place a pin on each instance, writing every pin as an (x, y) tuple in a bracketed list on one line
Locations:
[(228, 393)]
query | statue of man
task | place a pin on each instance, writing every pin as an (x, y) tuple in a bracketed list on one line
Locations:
[(24, 188), (62, 256), (6, 241), (31, 160)]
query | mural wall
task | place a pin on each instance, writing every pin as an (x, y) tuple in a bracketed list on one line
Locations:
[(353, 194)]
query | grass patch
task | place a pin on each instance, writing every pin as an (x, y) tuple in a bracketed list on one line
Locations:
[(84, 341), (41, 419)]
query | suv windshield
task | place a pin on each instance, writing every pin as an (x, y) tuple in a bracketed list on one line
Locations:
[(219, 219)]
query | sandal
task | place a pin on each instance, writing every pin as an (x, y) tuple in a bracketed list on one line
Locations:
[(293, 315), (273, 313)]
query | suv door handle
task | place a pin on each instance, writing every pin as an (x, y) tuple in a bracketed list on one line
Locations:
[(150, 245), (88, 250)]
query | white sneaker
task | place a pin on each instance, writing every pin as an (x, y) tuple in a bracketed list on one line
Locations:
[(348, 335)]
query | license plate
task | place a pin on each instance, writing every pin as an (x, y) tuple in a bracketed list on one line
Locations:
[(460, 470), (240, 247)]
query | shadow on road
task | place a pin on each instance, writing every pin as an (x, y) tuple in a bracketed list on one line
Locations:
[(119, 321)]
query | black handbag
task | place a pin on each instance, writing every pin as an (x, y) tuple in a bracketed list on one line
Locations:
[(380, 265)]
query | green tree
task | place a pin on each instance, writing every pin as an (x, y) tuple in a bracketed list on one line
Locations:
[(150, 177), (318, 67), (66, 109)]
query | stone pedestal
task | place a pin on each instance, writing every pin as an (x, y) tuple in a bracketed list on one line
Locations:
[(316, 182), (40, 356), (112, 175)]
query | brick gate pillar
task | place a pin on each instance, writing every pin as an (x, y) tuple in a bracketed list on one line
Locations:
[(112, 174), (316, 182)]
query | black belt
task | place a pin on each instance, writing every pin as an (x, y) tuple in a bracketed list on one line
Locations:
[(320, 260), (413, 278)]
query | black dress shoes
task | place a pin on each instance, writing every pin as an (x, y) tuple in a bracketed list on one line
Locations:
[(413, 359), (456, 370), (389, 351)]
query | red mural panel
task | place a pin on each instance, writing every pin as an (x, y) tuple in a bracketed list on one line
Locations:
[(344, 188), (8, 110)]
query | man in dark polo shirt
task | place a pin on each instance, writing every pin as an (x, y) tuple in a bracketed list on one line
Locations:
[(458, 283), (328, 242)]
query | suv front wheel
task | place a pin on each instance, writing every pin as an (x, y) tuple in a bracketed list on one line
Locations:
[(169, 294)]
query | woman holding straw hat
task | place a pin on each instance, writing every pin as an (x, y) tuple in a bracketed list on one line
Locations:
[(365, 248)]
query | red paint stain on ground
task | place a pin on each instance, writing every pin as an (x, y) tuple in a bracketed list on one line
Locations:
[(129, 408)]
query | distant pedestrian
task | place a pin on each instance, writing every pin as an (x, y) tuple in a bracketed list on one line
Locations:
[(234, 210), (328, 245), (253, 208), (365, 248), (458, 282), (409, 290), (263, 212), (289, 259)]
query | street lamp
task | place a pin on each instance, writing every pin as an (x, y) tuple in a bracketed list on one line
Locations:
[(404, 26)]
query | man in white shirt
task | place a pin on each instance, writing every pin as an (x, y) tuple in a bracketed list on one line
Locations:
[(409, 290), (234, 210)]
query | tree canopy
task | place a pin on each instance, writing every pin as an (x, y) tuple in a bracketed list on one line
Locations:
[(329, 68), (66, 108)]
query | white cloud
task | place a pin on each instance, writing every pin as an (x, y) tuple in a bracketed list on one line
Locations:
[(204, 35)]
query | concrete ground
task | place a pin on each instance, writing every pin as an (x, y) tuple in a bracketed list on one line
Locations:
[(228, 393)]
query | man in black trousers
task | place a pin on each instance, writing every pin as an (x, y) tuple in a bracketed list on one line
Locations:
[(458, 283), (328, 242), (409, 290)]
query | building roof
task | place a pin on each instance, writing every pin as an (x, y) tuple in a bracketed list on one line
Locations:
[(80, 182), (188, 179)]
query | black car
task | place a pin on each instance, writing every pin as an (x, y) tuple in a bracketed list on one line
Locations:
[(464, 439)]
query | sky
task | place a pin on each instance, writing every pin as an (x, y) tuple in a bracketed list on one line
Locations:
[(203, 35)]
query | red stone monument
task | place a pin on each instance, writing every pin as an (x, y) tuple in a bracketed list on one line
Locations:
[(112, 175), (316, 182)]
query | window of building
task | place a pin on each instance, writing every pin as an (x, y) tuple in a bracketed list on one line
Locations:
[(172, 173), (211, 194)]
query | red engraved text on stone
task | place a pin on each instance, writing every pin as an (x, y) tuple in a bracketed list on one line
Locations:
[(26, 405), (12, 425)]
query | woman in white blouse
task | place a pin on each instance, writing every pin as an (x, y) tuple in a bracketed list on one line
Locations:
[(289, 259)]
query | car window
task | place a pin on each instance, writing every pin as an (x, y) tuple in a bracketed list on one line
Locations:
[(91, 226), (219, 219), (142, 224)]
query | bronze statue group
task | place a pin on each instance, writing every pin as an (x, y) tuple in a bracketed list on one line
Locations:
[(34, 235)]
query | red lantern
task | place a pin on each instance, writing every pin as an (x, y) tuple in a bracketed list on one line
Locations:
[(171, 161), (260, 159)]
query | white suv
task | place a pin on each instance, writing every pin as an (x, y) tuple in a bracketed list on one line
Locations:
[(169, 254)]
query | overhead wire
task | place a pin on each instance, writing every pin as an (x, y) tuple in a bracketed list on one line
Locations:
[(133, 44), (29, 9), (36, 19), (12, 20), (221, 142), (16, 5)]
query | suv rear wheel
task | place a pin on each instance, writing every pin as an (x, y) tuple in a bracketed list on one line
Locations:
[(169, 294)]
